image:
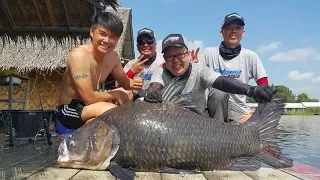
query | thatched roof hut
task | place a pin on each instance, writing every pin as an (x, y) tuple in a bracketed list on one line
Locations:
[(38, 34)]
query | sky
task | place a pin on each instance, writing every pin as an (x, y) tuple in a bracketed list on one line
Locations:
[(285, 34)]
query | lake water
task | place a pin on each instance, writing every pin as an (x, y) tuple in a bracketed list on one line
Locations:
[(299, 136)]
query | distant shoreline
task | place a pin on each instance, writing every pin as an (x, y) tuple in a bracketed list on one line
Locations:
[(301, 114)]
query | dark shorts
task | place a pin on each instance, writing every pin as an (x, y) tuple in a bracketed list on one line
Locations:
[(69, 115)]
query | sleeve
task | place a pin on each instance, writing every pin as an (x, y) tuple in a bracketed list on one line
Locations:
[(128, 65), (157, 76), (127, 69), (208, 76), (258, 70), (262, 81), (202, 58), (223, 83)]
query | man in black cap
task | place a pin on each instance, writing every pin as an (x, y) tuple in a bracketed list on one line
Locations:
[(149, 61), (232, 60), (179, 77)]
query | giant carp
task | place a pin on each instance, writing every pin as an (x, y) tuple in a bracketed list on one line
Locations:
[(166, 137)]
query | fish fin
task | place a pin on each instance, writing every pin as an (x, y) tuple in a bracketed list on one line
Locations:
[(266, 119), (245, 164), (121, 173), (273, 156), (178, 171)]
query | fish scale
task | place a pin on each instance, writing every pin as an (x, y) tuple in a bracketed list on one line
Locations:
[(166, 137), (151, 141)]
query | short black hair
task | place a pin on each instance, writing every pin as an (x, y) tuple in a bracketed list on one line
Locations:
[(109, 21)]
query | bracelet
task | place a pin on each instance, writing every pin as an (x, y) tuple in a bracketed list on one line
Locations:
[(130, 74)]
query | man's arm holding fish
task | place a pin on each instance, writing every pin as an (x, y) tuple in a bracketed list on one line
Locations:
[(81, 75), (262, 93)]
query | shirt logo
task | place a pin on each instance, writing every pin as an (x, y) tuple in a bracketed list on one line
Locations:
[(229, 72), (146, 76)]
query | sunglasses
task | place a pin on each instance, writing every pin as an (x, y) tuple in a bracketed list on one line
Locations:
[(179, 56), (145, 41)]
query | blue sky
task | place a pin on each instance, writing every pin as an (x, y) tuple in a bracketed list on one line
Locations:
[(285, 34)]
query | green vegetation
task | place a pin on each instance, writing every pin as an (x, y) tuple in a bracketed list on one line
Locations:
[(7, 72), (285, 93), (306, 111)]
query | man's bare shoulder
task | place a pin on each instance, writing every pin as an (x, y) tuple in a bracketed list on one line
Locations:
[(78, 54), (112, 57)]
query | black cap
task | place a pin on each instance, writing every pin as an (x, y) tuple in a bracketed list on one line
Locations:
[(147, 32), (174, 40), (228, 19)]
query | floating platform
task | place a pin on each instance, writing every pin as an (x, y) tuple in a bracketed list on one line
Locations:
[(37, 160)]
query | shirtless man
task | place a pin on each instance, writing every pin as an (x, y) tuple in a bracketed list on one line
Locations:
[(88, 66)]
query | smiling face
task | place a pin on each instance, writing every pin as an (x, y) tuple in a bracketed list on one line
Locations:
[(103, 40), (177, 60), (232, 35), (146, 45)]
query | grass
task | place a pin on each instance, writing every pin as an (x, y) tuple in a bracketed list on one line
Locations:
[(305, 112)]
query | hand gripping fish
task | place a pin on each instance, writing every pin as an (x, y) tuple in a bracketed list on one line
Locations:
[(166, 137)]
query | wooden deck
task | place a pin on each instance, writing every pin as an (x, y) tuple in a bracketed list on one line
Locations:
[(37, 160)]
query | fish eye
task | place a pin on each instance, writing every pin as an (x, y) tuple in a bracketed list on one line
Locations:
[(71, 144)]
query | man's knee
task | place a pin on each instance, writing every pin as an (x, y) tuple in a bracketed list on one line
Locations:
[(217, 95), (96, 109)]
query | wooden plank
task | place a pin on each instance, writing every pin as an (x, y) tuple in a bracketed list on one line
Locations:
[(54, 172), (38, 12), (30, 166), (147, 176), (66, 13), (93, 175), (51, 14), (224, 175), (270, 174), (80, 14), (20, 146), (165, 176), (24, 13), (8, 13)]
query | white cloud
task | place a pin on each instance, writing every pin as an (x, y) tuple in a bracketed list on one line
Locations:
[(297, 76), (310, 90), (299, 54), (316, 79), (269, 47), (193, 45)]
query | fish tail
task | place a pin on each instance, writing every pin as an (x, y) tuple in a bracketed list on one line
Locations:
[(266, 118)]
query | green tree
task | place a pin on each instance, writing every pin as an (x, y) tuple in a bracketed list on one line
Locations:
[(303, 97), (285, 93)]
